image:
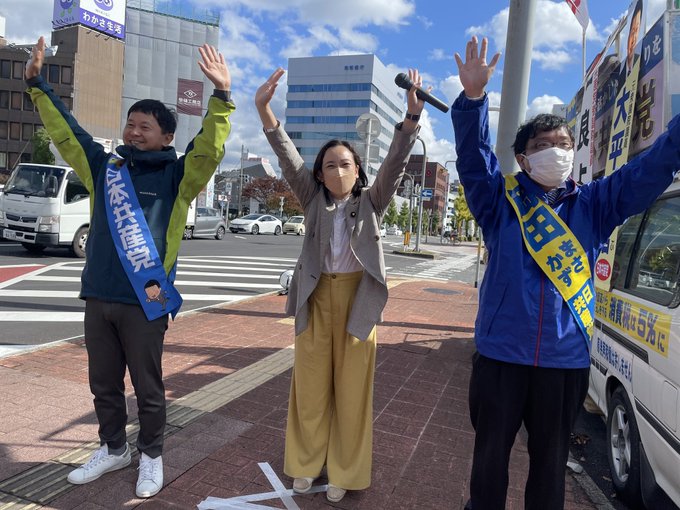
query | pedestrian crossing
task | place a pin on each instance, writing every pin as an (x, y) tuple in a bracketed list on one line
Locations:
[(50, 293), (438, 269)]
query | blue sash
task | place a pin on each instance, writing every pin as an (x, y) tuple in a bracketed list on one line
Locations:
[(134, 244)]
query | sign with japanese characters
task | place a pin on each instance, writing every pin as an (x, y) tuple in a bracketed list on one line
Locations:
[(645, 325), (189, 97), (107, 16)]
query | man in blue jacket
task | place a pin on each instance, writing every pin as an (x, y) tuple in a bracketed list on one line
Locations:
[(138, 205), (536, 303)]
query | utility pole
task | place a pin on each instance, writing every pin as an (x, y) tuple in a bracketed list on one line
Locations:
[(422, 187), (517, 68), (240, 183)]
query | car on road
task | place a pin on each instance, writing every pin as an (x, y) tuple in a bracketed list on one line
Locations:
[(256, 224), (209, 223), (394, 231), (294, 225)]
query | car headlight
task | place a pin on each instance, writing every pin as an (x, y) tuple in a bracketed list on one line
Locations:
[(48, 224)]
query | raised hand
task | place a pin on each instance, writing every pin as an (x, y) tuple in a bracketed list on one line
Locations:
[(35, 63), (475, 72), (263, 97), (415, 105), (214, 67)]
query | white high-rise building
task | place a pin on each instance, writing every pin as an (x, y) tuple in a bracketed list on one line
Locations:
[(326, 95)]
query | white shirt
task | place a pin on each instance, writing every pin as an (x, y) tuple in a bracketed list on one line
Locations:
[(340, 257)]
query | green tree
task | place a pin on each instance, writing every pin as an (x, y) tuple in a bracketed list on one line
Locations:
[(391, 216), (462, 211), (402, 218), (41, 148), (269, 190)]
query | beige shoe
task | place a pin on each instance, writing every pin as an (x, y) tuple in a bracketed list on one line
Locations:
[(302, 485), (334, 494)]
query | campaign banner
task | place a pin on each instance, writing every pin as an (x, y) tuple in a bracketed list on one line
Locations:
[(190, 97), (583, 151), (106, 16), (674, 65), (649, 105)]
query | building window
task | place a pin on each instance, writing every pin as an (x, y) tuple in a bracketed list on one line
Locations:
[(3, 130), (26, 132), (13, 157), (18, 70), (3, 160), (68, 102), (28, 104), (66, 74), (17, 100), (54, 74), (4, 99), (5, 68), (14, 131), (25, 157)]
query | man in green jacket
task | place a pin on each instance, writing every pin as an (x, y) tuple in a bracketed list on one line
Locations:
[(138, 203)]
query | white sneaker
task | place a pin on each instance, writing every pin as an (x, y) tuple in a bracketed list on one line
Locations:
[(150, 480), (100, 463)]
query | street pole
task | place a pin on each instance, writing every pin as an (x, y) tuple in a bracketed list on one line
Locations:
[(448, 192), (407, 237), (515, 89), (367, 157), (420, 204), (240, 184)]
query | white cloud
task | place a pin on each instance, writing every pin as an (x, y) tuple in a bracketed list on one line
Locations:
[(553, 60), (451, 87), (22, 25), (439, 54), (542, 104)]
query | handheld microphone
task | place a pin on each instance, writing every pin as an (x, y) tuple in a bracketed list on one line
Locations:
[(403, 81)]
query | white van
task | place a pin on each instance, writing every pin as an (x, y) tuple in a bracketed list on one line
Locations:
[(45, 205), (635, 357)]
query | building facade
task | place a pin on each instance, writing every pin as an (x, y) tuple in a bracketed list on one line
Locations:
[(326, 96), (436, 180)]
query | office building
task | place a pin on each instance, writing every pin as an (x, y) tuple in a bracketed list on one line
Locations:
[(326, 95)]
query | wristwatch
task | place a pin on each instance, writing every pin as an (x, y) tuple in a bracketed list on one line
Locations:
[(413, 117)]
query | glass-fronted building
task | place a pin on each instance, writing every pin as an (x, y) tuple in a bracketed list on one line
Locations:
[(326, 95)]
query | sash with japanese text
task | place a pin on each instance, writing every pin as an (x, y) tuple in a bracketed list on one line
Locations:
[(135, 247), (557, 252)]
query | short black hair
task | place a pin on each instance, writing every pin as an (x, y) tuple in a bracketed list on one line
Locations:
[(166, 117), (151, 283), (539, 124), (362, 180)]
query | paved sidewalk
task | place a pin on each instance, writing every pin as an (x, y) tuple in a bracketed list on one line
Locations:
[(227, 373)]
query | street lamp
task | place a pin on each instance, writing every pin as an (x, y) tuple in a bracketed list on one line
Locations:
[(240, 182), (420, 202), (410, 207)]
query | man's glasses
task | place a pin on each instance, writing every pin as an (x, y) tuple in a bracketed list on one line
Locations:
[(541, 146)]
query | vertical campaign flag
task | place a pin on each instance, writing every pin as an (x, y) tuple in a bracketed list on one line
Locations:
[(580, 10)]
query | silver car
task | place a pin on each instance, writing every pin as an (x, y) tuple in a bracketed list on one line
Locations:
[(209, 223)]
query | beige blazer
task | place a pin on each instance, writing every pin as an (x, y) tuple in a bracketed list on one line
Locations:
[(364, 215)]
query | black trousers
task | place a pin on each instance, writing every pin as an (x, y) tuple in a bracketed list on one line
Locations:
[(502, 397), (119, 335)]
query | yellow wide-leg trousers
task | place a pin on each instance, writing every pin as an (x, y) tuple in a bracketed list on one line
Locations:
[(330, 412)]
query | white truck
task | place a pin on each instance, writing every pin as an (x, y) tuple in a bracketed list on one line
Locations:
[(45, 206)]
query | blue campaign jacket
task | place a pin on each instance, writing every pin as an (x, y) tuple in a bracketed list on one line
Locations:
[(165, 186), (522, 318)]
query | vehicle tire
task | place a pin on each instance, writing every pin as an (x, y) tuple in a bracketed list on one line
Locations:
[(33, 248), (220, 233), (301, 231), (277, 230), (188, 233), (79, 242), (623, 448), (255, 230), (285, 233)]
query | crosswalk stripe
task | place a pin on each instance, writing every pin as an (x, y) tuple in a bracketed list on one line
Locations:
[(231, 275), (42, 316)]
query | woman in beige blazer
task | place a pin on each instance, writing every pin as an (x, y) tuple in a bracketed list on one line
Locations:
[(337, 295)]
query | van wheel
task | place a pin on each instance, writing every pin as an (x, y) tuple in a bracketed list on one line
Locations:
[(623, 452), (188, 233), (220, 233), (79, 242), (255, 230), (277, 230), (33, 248), (301, 231)]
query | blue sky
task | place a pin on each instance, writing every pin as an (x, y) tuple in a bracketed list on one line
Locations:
[(259, 35)]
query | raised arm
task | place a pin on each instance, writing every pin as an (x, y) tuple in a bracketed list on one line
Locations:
[(74, 144), (392, 169), (206, 150), (292, 165), (476, 164)]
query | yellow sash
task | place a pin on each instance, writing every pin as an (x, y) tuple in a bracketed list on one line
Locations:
[(557, 252)]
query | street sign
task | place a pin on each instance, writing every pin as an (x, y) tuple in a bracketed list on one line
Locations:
[(426, 193)]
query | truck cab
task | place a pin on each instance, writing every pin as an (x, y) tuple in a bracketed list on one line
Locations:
[(45, 206)]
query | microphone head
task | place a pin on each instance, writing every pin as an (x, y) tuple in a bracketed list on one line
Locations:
[(402, 80)]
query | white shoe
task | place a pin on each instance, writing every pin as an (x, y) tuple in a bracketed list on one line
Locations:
[(150, 480), (99, 463)]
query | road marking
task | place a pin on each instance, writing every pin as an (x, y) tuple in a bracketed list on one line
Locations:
[(41, 316), (67, 294), (178, 283), (226, 275)]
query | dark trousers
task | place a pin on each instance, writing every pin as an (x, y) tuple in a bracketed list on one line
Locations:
[(119, 335), (502, 397)]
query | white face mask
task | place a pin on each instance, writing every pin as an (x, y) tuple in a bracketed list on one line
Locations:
[(550, 167)]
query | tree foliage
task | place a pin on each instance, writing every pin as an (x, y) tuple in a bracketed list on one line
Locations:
[(462, 211), (269, 190), (402, 219), (41, 148), (391, 216)]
